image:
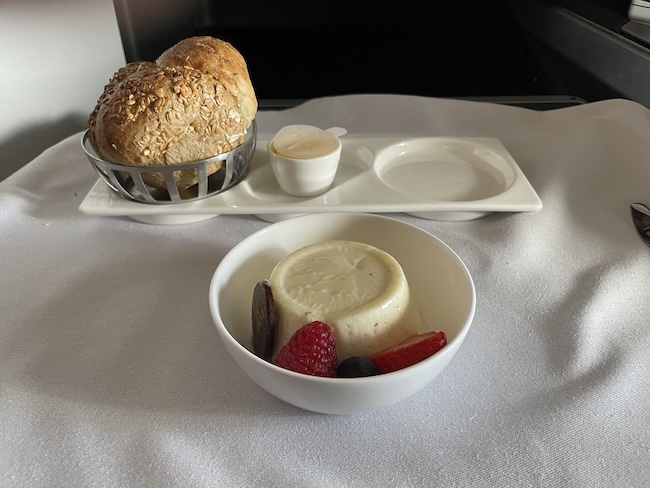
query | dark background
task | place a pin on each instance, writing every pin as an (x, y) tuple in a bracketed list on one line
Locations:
[(298, 50)]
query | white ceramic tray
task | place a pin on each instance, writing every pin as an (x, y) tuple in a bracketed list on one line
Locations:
[(435, 178)]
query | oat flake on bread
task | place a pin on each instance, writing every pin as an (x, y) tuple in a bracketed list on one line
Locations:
[(194, 102)]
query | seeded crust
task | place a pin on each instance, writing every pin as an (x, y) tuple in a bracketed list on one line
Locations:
[(221, 60), (196, 101)]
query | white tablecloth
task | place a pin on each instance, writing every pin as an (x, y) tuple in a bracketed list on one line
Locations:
[(112, 373)]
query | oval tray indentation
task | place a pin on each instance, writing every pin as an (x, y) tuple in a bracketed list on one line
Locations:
[(444, 169)]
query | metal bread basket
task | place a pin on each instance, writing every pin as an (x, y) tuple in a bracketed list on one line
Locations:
[(127, 180)]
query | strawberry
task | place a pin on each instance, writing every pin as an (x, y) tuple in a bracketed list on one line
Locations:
[(409, 352), (310, 350)]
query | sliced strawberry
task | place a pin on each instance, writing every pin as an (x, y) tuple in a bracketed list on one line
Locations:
[(409, 352), (310, 350)]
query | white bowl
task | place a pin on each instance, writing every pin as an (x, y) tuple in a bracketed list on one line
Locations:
[(306, 176), (438, 278)]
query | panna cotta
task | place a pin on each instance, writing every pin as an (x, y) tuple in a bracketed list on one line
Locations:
[(358, 289)]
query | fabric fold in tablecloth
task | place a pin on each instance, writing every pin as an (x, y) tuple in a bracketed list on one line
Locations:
[(111, 372)]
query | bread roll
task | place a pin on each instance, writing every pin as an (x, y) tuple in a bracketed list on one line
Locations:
[(196, 101), (221, 60)]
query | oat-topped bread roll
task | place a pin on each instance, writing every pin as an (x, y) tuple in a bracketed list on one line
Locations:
[(221, 60), (196, 101)]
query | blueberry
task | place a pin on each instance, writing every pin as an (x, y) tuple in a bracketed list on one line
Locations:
[(356, 366)]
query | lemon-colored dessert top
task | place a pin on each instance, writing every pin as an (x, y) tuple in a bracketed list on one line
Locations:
[(304, 142)]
